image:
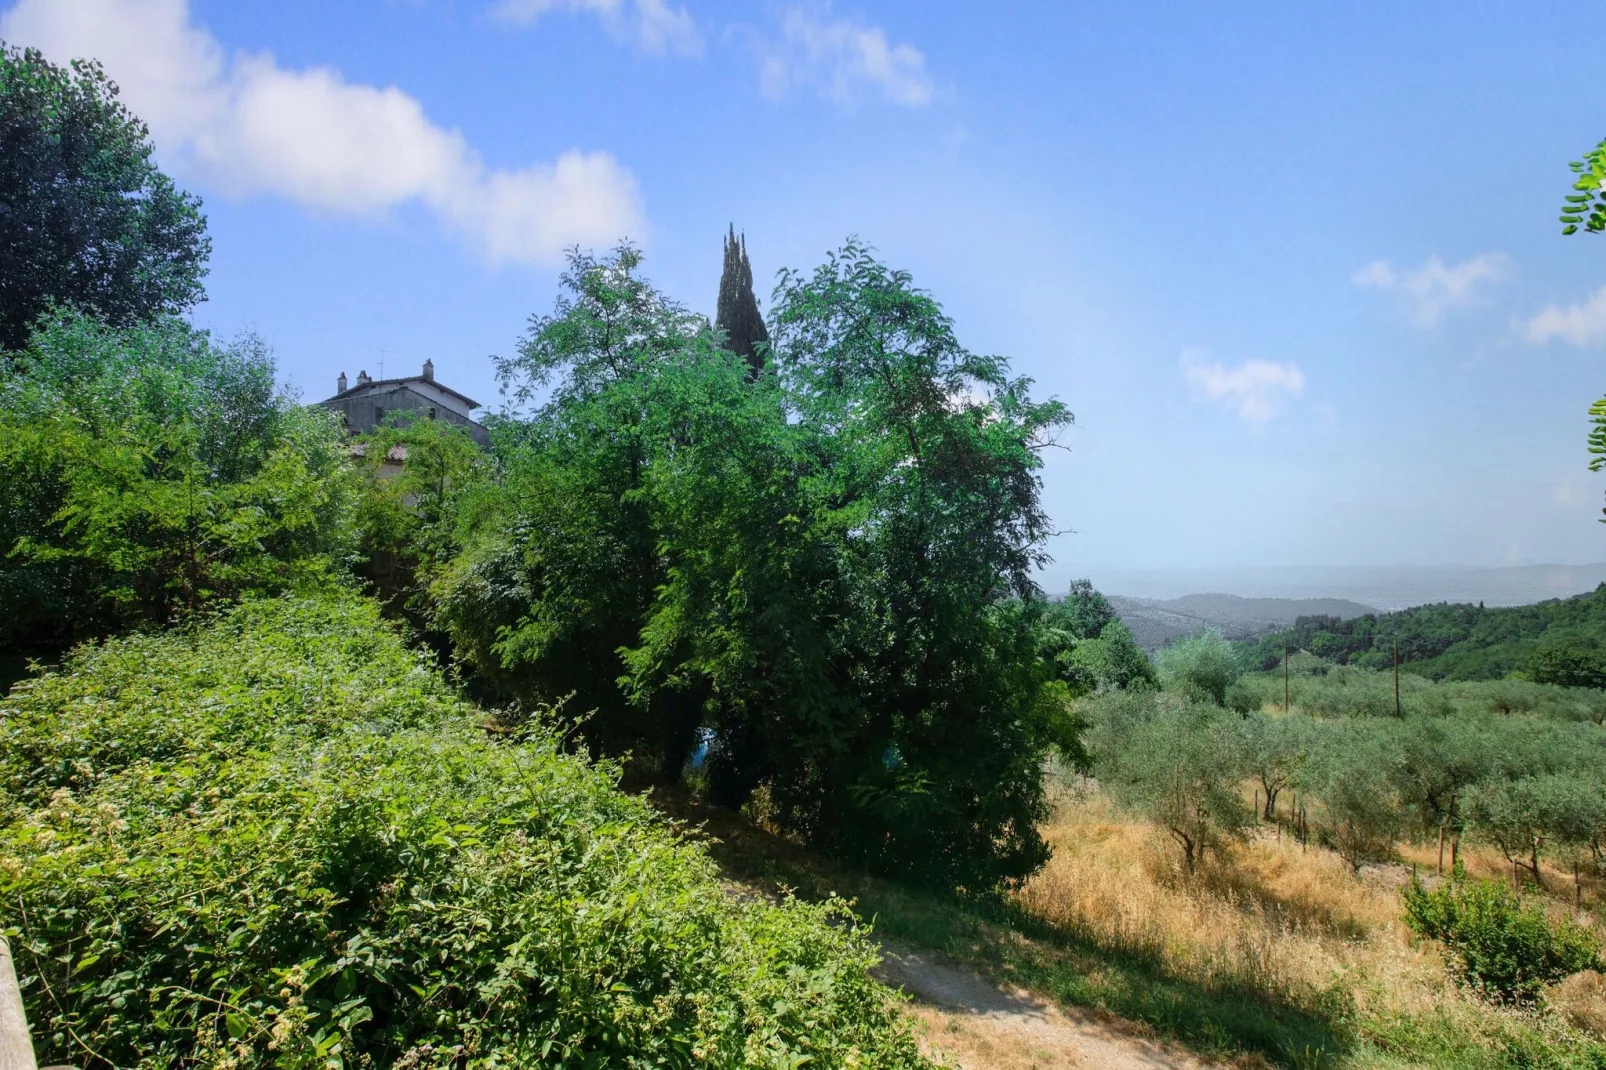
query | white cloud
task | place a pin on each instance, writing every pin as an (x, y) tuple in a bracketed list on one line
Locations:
[(653, 25), (1377, 273), (1435, 288), (1581, 325), (245, 125), (1254, 389), (842, 59)]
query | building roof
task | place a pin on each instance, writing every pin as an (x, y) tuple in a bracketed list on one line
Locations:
[(358, 388)]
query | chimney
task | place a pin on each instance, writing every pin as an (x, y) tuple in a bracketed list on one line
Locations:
[(340, 384), (362, 378), (429, 371)]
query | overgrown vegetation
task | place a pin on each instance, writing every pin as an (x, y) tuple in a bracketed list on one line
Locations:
[(1499, 946), (148, 471), (276, 839)]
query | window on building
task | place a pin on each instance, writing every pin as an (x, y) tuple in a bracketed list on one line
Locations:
[(432, 412), (379, 414)]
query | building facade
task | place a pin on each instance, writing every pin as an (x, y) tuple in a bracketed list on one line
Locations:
[(368, 402)]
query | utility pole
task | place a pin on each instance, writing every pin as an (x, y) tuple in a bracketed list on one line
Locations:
[(1396, 676)]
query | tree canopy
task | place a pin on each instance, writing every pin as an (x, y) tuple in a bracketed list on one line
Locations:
[(737, 313), (827, 566), (86, 217)]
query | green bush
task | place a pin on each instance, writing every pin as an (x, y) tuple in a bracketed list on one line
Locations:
[(1202, 667), (276, 839), (1498, 946)]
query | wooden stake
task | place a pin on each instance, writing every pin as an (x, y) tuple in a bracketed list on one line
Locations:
[(1440, 870), (1578, 890), (1396, 677), (1257, 806)]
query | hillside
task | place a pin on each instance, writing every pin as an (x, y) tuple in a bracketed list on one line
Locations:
[(1558, 641), (1155, 622), (280, 840)]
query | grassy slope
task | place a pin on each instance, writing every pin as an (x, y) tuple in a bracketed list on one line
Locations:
[(1279, 958), (279, 840)]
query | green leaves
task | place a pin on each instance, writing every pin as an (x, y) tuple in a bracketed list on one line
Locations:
[(1497, 945), (86, 219), (819, 564), (279, 840), (1587, 207), (148, 472)]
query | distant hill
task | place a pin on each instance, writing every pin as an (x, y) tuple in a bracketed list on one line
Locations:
[(1562, 640), (1388, 588), (1154, 622)]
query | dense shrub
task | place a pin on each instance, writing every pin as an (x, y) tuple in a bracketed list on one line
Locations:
[(148, 471), (277, 840), (1497, 945)]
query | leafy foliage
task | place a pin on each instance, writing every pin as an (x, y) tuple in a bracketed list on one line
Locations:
[(1497, 945), (1586, 206), (86, 219), (1458, 642), (1178, 765), (148, 471), (278, 840), (826, 564), (409, 521), (1201, 666)]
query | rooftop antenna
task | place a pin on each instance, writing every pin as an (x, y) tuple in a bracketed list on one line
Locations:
[(382, 353)]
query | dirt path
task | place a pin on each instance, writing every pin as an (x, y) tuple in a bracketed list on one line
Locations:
[(987, 1028)]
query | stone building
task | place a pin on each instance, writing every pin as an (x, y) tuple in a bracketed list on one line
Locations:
[(366, 403)]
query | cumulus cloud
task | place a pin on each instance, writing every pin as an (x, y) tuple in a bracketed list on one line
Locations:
[(245, 126), (1254, 389), (842, 59), (652, 25), (1436, 287), (1581, 325)]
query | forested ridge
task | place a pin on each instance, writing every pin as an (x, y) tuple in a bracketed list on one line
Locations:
[(1559, 641)]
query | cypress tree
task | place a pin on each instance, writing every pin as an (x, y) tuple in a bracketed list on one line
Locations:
[(738, 314)]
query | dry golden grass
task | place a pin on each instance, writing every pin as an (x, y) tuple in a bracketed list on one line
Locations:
[(1278, 918), (1581, 998)]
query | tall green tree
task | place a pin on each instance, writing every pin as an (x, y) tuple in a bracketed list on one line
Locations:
[(926, 461), (558, 582), (86, 218), (737, 314), (827, 567)]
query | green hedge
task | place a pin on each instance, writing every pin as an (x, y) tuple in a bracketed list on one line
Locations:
[(278, 839)]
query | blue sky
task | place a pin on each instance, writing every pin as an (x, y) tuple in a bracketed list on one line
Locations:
[(1297, 272)]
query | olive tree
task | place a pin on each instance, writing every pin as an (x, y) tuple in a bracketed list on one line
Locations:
[(1354, 775), (1178, 765), (1201, 667)]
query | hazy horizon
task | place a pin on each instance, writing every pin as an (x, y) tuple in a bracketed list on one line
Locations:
[(1383, 587)]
